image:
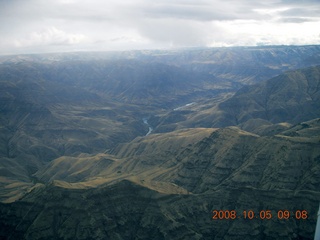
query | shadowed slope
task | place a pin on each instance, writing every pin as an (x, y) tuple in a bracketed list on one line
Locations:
[(74, 164), (292, 97)]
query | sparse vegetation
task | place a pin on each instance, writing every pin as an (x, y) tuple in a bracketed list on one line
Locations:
[(75, 162)]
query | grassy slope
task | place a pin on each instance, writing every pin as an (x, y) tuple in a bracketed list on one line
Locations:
[(163, 185)]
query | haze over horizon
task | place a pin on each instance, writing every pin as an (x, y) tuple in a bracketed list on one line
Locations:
[(37, 26)]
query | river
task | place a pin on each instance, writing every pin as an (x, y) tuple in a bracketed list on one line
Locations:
[(184, 106), (145, 121)]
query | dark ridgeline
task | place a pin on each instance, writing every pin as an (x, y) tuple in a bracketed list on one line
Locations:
[(75, 162)]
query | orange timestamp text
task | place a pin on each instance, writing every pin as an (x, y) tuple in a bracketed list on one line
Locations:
[(262, 214)]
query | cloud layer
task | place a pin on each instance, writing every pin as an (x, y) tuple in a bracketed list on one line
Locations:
[(70, 25)]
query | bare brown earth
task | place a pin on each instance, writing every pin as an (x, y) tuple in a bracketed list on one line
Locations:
[(141, 193)]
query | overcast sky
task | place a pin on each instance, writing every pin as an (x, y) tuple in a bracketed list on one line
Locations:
[(32, 26)]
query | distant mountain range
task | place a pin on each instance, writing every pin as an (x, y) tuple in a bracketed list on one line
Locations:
[(231, 129), (291, 97)]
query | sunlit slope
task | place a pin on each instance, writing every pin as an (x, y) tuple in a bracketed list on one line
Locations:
[(227, 157), (75, 162), (143, 156), (233, 158), (229, 169), (160, 189)]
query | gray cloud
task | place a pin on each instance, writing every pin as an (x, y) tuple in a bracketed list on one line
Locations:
[(60, 25), (298, 20), (175, 33), (201, 12), (302, 12)]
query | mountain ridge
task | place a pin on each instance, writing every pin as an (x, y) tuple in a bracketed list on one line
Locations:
[(227, 134), (285, 98)]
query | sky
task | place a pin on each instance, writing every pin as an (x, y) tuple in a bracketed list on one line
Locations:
[(38, 26)]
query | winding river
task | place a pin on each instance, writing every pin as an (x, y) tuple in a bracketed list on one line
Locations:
[(145, 121)]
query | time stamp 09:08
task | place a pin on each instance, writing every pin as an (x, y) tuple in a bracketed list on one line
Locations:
[(262, 214)]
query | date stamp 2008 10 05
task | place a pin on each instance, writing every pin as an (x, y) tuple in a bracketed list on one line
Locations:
[(262, 214)]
